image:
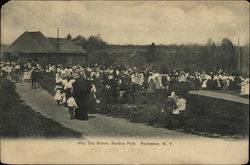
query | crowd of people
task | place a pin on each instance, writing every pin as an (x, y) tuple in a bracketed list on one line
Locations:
[(97, 86)]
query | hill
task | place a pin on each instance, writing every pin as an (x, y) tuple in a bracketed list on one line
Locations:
[(167, 57), (187, 57)]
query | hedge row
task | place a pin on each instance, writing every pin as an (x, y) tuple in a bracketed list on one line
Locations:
[(217, 115), (150, 114)]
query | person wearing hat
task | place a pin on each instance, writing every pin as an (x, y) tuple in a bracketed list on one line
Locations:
[(168, 110), (237, 83), (81, 91)]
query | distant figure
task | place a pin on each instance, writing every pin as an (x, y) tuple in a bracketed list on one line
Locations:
[(245, 88), (103, 95), (237, 84), (225, 84), (157, 83), (92, 99), (164, 81), (34, 78), (212, 84), (25, 76), (181, 107), (151, 86), (81, 91)]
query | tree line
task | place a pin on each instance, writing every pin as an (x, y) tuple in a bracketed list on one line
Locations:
[(209, 57), (91, 44)]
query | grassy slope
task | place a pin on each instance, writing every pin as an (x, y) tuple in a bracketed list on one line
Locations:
[(19, 120), (176, 58)]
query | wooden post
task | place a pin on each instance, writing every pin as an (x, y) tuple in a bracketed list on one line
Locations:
[(58, 35)]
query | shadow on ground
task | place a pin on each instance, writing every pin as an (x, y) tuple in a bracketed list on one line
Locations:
[(20, 121)]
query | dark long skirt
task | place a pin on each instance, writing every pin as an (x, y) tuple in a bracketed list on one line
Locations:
[(81, 112), (92, 104), (68, 93)]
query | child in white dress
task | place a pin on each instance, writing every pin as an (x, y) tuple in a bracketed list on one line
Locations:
[(25, 76), (28, 76), (58, 96)]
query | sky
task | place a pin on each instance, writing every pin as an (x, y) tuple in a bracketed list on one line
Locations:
[(127, 22)]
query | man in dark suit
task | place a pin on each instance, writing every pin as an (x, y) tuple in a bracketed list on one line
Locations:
[(34, 78), (81, 91), (237, 83)]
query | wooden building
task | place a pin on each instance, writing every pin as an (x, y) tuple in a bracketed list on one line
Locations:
[(34, 46)]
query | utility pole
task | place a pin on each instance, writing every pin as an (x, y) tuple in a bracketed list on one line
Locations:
[(239, 56), (58, 35)]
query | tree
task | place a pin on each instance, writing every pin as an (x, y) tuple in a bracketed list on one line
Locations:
[(151, 53), (210, 42), (208, 58), (228, 55), (83, 41), (213, 57), (95, 43), (91, 44), (69, 36)]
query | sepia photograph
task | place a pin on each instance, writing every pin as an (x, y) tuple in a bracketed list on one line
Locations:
[(124, 82)]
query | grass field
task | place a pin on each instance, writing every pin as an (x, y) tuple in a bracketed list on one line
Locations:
[(19, 120)]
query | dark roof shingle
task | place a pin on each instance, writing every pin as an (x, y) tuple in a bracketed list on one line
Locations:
[(36, 42), (67, 46)]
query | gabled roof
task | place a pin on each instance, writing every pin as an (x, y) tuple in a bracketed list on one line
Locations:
[(67, 45), (42, 40), (36, 42), (26, 44)]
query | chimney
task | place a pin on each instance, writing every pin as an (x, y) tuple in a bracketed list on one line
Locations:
[(78, 43)]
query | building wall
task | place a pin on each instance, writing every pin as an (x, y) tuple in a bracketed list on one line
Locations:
[(44, 58), (78, 60), (67, 59)]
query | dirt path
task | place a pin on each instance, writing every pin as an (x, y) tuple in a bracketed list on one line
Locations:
[(97, 125), (218, 95)]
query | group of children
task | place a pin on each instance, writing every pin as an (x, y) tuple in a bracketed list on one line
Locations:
[(69, 102), (63, 93)]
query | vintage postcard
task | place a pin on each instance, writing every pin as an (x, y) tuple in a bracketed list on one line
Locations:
[(124, 82)]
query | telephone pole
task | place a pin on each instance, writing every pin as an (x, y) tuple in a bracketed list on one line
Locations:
[(239, 56)]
